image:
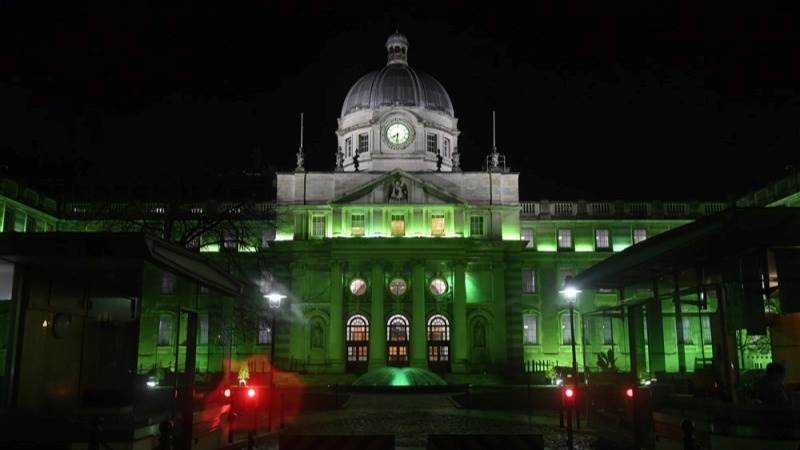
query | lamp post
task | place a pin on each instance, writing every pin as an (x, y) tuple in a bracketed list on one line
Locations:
[(274, 301), (570, 293)]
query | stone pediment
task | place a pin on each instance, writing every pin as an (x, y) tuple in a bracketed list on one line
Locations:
[(397, 186)]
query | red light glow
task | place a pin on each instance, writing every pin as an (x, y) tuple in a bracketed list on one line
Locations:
[(569, 393), (251, 392), (227, 392), (629, 392)]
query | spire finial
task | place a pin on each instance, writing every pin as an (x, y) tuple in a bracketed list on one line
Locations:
[(300, 155), (495, 162), (494, 134)]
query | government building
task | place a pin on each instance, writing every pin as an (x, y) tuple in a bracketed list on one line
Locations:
[(394, 257)]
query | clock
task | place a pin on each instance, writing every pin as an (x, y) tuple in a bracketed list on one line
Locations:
[(398, 134)]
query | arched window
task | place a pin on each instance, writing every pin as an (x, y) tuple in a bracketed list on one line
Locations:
[(357, 328), (438, 328), (357, 343), (397, 328)]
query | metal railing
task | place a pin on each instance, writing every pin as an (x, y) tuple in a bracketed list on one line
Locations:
[(545, 209)]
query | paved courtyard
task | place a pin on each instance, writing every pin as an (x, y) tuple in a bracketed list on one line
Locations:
[(411, 417)]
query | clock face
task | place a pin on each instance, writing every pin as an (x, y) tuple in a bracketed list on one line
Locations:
[(398, 134)]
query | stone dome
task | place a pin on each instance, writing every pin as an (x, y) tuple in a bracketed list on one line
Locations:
[(397, 84)]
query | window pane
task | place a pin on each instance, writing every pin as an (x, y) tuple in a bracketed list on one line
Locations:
[(437, 225), (363, 143), (566, 330), (608, 327), (19, 221), (202, 330), (686, 324), (706, 323), (348, 148), (164, 330), (602, 239), (527, 235), (398, 225), (318, 226), (168, 283), (564, 238), (357, 224), (476, 225), (264, 332), (446, 145), (529, 330), (433, 143), (528, 281), (639, 235)]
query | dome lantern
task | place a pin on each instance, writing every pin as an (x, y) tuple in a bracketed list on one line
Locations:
[(397, 49)]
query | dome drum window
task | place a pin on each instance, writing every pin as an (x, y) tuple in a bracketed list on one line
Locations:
[(398, 287), (438, 286), (358, 287)]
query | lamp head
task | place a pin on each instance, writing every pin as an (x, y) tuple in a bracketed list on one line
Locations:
[(274, 299), (570, 293)]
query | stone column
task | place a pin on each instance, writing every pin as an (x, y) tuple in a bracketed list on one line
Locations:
[(418, 342), (458, 339), (655, 332), (377, 325), (336, 333), (499, 305)]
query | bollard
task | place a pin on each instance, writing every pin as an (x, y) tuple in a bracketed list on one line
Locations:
[(688, 434), (569, 429), (560, 410), (530, 424)]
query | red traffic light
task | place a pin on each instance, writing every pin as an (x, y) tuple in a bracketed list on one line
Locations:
[(629, 392), (251, 392), (226, 392), (569, 393)]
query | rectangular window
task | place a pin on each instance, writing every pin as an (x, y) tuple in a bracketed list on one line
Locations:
[(19, 221), (363, 142), (602, 239), (229, 240), (348, 148), (202, 330), (164, 330), (639, 235), (527, 235), (565, 239), (705, 322), (644, 319), (398, 225), (585, 331), (31, 225), (264, 332), (318, 226), (432, 143), (357, 224), (566, 330), (168, 283), (529, 329), (608, 331), (437, 225), (446, 145), (476, 226), (528, 281), (8, 219), (686, 325)]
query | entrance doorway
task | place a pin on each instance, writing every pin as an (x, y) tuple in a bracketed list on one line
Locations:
[(397, 340), (357, 343), (439, 344)]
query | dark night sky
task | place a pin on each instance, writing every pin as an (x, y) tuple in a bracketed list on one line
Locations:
[(673, 102)]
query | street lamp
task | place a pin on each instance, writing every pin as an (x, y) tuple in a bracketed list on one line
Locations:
[(274, 300), (570, 293)]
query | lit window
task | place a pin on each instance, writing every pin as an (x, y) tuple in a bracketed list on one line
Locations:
[(168, 283), (363, 142), (564, 239), (644, 319), (438, 328), (432, 143), (566, 330), (164, 330), (608, 328), (529, 329), (438, 286), (602, 239), (19, 221), (358, 286), (705, 322), (264, 332), (357, 222), (639, 235), (202, 330), (686, 325), (527, 235), (437, 225), (318, 226), (446, 145), (398, 225), (397, 287), (348, 148), (528, 281), (358, 329), (476, 226), (587, 335)]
